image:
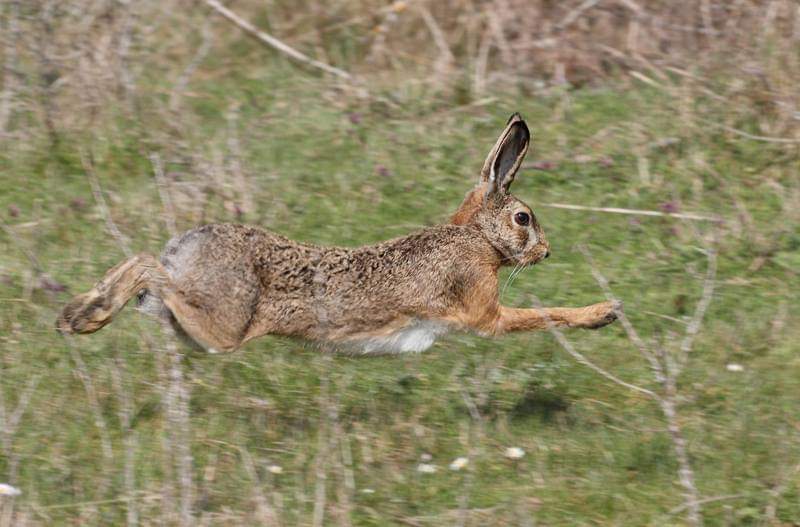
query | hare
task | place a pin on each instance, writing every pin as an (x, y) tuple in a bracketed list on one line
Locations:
[(223, 285)]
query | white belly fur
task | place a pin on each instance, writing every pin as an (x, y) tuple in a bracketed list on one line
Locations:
[(414, 338)]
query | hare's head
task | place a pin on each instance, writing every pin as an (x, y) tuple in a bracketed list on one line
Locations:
[(507, 222)]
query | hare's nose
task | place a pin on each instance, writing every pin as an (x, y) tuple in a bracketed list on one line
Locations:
[(547, 254)]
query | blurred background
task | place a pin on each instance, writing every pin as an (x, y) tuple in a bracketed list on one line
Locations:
[(664, 170)]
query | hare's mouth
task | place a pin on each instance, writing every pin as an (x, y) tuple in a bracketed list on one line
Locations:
[(535, 259)]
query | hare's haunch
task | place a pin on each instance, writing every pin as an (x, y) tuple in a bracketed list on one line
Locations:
[(223, 285)]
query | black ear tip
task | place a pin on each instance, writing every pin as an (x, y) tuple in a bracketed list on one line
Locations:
[(515, 117), (518, 122)]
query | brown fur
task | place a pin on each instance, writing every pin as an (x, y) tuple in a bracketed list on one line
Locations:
[(223, 285)]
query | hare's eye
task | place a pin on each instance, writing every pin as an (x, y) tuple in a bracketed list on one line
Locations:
[(522, 218)]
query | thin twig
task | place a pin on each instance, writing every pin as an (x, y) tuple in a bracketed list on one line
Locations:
[(265, 513), (630, 330), (176, 396), (562, 340), (122, 499), (179, 87), (482, 62), (685, 473), (178, 417), (163, 193), (682, 507), (125, 413), (754, 137), (88, 165), (37, 266), (99, 421), (9, 424), (772, 507), (344, 510), (634, 212), (273, 42), (124, 69), (9, 64), (471, 407), (702, 305), (666, 376), (445, 58), (573, 15), (22, 404), (322, 451), (474, 451)]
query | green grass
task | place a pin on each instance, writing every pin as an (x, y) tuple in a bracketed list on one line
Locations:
[(596, 454)]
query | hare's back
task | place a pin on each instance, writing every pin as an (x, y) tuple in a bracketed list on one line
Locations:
[(213, 253)]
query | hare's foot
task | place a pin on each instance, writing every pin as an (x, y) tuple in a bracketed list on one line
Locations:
[(86, 313), (598, 315), (94, 309)]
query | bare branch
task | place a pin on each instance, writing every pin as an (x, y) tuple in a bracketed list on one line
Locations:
[(180, 85), (273, 42), (702, 305), (125, 413), (685, 473), (712, 499), (177, 405), (99, 421), (777, 491), (633, 335), (322, 451), (163, 193), (94, 403), (753, 137), (9, 64), (665, 373), (9, 424), (265, 513), (470, 404), (445, 60), (22, 404), (88, 165), (634, 212), (562, 340), (573, 15), (37, 266), (80, 504)]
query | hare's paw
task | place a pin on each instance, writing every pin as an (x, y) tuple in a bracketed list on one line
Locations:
[(602, 314), (86, 313)]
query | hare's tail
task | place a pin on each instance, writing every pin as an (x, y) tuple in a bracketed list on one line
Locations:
[(91, 311)]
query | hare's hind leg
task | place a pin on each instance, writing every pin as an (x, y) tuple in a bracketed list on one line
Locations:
[(91, 311)]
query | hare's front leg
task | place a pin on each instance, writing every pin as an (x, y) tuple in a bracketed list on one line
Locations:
[(589, 317)]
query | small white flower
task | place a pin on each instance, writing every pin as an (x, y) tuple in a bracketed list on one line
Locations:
[(426, 457), (459, 463), (275, 469), (368, 491), (8, 490), (426, 468), (734, 367), (514, 452)]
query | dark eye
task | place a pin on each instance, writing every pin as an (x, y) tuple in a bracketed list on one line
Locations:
[(522, 218)]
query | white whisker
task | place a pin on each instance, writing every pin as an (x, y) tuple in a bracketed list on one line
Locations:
[(511, 277)]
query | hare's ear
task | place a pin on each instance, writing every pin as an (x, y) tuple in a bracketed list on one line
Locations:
[(506, 156)]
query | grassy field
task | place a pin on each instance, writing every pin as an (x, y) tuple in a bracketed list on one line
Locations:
[(281, 434)]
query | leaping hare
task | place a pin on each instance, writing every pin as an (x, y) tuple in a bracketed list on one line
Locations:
[(223, 285)]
